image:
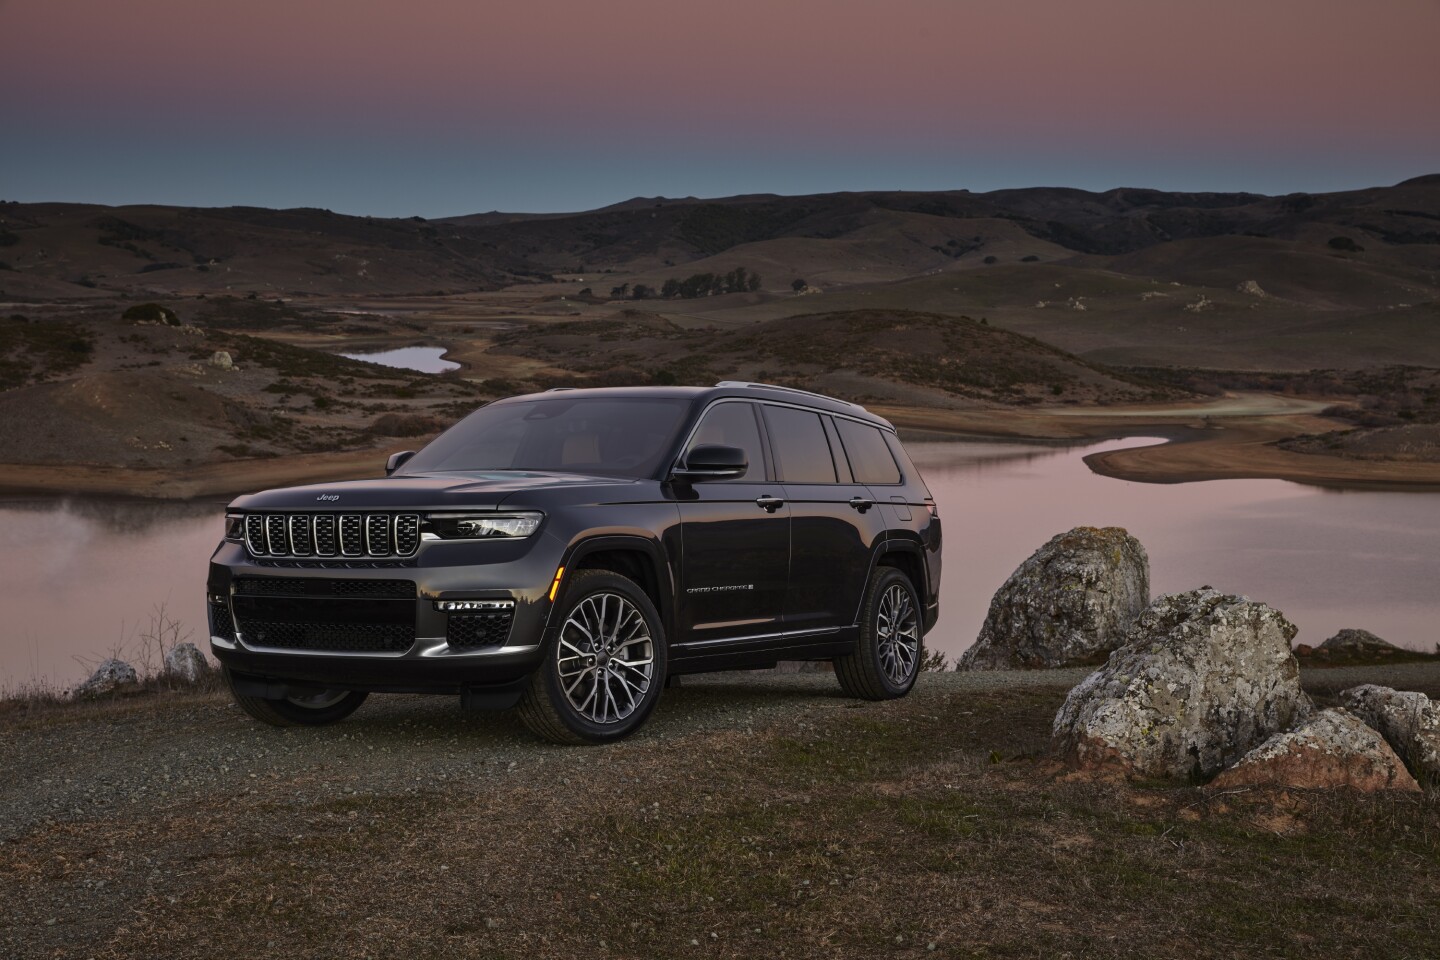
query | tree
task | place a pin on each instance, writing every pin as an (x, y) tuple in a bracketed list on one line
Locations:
[(754, 282), (671, 289), (641, 292), (619, 292), (797, 284)]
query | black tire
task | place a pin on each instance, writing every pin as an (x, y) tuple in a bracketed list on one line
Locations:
[(546, 707), (326, 707), (874, 671)]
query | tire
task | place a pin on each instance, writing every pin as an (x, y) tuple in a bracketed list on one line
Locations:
[(325, 707), (566, 700), (887, 660)]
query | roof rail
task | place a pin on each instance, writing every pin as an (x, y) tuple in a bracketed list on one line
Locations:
[(559, 389), (771, 386)]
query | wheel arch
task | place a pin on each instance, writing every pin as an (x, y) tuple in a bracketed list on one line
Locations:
[(637, 558), (908, 556)]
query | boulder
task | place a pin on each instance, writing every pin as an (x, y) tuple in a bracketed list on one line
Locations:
[(112, 675), (1409, 722), (1351, 640), (1333, 749), (1070, 603), (1252, 288), (222, 360), (1203, 678), (186, 662)]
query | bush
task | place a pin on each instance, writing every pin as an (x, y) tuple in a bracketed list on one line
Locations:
[(991, 259), (1346, 244), (8, 239), (1029, 258), (152, 312)]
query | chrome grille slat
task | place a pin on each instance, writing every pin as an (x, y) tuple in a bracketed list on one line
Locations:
[(371, 536), (326, 544)]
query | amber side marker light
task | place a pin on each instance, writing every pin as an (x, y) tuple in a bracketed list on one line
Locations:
[(555, 584)]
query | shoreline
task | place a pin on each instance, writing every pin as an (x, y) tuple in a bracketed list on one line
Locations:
[(1229, 438)]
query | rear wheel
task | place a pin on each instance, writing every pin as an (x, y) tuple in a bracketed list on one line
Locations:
[(308, 710), (603, 674), (887, 660)]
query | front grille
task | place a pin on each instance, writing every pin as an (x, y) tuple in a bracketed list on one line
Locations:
[(337, 637), (367, 535), (324, 587), (467, 631), (221, 625)]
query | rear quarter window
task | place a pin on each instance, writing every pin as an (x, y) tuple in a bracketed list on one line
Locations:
[(870, 457)]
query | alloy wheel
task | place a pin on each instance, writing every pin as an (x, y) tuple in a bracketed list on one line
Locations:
[(606, 658), (897, 627)]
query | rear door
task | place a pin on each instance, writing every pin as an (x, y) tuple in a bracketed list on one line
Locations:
[(735, 541), (833, 521)]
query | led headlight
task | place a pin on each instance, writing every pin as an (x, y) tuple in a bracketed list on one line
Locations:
[(235, 527), (481, 526)]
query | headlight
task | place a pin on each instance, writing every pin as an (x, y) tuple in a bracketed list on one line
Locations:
[(480, 526), (235, 527)]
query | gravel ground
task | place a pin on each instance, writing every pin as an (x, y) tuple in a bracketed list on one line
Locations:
[(141, 754)]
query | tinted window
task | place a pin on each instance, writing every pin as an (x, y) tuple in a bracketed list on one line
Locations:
[(798, 441), (870, 458), (733, 424), (619, 437)]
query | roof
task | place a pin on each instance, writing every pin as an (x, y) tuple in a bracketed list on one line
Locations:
[(725, 388)]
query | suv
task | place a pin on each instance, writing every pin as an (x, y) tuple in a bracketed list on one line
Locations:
[(568, 552)]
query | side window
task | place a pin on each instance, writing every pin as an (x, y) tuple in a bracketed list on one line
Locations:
[(869, 456), (733, 424), (801, 450)]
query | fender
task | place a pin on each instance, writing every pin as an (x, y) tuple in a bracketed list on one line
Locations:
[(664, 572), (898, 541)]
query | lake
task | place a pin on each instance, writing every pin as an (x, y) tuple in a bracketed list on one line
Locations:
[(82, 577), (423, 359)]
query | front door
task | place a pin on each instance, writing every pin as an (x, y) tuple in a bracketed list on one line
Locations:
[(735, 543)]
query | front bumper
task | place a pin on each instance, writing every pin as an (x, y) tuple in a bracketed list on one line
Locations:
[(381, 627)]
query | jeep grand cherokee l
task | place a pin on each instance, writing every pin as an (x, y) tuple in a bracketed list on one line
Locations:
[(565, 552)]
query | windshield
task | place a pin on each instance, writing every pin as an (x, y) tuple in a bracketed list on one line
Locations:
[(613, 437)]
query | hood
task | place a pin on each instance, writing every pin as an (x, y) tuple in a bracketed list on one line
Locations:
[(433, 491)]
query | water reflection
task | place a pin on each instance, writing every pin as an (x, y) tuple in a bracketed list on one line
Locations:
[(423, 359)]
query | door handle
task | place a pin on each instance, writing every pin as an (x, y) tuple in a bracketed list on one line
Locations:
[(861, 504), (768, 503)]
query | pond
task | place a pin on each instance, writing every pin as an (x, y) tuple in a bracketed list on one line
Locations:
[(423, 359), (82, 577)]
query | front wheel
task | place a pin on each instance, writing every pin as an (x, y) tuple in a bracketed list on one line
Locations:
[(309, 710), (888, 656), (603, 674)]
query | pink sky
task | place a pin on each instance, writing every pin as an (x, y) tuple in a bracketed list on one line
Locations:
[(1089, 79)]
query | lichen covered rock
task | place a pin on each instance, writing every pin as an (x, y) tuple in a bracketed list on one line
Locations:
[(1203, 678), (1070, 603), (1334, 749), (1352, 640), (1409, 722), (110, 676), (186, 662)]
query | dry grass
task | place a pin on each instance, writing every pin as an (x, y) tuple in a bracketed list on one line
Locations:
[(877, 830)]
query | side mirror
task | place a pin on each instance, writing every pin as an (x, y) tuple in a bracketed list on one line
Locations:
[(712, 461), (397, 460)]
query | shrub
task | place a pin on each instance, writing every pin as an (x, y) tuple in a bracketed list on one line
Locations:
[(1346, 244), (991, 259), (152, 312), (1029, 258), (8, 239)]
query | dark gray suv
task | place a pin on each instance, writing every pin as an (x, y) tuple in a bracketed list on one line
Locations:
[(565, 552)]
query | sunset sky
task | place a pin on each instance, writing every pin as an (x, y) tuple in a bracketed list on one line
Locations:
[(434, 107)]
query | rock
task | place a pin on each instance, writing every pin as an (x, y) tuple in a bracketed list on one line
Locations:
[(1203, 677), (1251, 287), (1070, 603), (110, 676), (1303, 650), (1409, 722), (1351, 640), (1333, 749), (186, 662), (222, 360)]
